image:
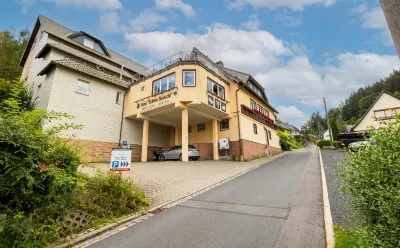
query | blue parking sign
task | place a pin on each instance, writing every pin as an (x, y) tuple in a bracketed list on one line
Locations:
[(115, 164)]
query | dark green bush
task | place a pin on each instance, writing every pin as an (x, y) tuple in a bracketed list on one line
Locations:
[(109, 194), (371, 177), (40, 184)]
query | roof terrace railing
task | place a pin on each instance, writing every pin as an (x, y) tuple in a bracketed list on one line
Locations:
[(180, 56)]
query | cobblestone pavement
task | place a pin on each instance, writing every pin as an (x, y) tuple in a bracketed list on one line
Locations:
[(341, 214), (163, 182)]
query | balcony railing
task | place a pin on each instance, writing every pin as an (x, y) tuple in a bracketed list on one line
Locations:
[(176, 58), (180, 56), (257, 117)]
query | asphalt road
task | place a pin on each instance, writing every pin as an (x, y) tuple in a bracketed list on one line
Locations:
[(276, 205)]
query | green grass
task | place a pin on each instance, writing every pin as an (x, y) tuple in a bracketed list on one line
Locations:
[(350, 237)]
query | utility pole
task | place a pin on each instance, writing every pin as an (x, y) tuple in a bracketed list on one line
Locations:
[(329, 125)]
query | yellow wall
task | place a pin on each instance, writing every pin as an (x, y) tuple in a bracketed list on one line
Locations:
[(198, 95), (194, 95)]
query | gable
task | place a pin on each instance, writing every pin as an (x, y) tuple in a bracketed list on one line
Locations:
[(382, 107)]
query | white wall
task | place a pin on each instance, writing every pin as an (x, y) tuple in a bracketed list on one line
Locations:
[(132, 131), (98, 112), (384, 102)]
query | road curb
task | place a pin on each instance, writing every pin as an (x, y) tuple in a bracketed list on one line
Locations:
[(89, 235), (329, 235)]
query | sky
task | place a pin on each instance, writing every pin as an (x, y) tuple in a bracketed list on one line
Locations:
[(300, 51)]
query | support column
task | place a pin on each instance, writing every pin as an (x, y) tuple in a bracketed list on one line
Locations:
[(176, 136), (145, 140), (215, 139), (185, 135)]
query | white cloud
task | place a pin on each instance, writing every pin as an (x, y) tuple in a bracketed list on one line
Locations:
[(186, 9), (147, 19), (299, 80), (292, 115), (294, 5), (250, 51), (92, 4), (288, 20), (252, 24), (375, 19), (359, 9), (109, 21), (283, 68)]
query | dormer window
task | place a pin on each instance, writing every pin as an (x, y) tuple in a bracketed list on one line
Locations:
[(89, 43)]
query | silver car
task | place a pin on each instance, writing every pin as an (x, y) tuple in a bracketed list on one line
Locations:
[(175, 153)]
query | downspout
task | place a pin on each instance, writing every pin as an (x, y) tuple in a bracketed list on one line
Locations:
[(238, 117), (122, 119)]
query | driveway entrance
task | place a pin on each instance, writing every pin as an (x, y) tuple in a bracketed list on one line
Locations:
[(163, 182)]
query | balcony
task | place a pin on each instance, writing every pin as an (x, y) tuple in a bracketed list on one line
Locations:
[(258, 117)]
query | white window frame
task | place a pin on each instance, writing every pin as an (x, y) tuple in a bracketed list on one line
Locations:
[(253, 104), (220, 88), (78, 86), (118, 99), (158, 81), (184, 77), (88, 42)]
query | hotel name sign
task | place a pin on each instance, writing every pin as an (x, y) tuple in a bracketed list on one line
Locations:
[(157, 102)]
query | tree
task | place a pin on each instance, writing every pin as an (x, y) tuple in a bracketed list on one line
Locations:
[(341, 125), (12, 47), (334, 128)]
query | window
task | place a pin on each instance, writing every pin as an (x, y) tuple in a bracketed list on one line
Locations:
[(255, 128), (189, 78), (201, 127), (163, 84), (223, 107), (266, 112), (260, 108), (88, 43), (210, 101), (217, 104), (189, 129), (253, 104), (82, 87), (215, 88), (118, 99), (270, 136), (224, 125)]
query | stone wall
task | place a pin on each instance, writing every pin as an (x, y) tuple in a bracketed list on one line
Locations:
[(252, 150)]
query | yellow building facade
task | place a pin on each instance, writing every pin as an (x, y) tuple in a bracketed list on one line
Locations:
[(199, 102)]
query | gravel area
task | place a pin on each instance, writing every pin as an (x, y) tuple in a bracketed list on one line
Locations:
[(341, 213)]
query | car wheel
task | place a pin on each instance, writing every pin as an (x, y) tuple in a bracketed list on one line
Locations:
[(162, 157), (180, 157)]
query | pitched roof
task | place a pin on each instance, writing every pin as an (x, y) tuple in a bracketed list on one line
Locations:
[(64, 33), (242, 76), (85, 69), (80, 54), (372, 105)]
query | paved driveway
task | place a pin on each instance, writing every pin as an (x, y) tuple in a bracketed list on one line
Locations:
[(276, 205), (163, 182)]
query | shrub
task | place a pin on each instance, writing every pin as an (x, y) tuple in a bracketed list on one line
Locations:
[(322, 143), (287, 141), (109, 194), (371, 177)]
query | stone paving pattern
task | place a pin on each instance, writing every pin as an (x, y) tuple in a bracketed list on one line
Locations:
[(163, 182)]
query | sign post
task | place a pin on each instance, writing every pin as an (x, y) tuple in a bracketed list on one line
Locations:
[(121, 159)]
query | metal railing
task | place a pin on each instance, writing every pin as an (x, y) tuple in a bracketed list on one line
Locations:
[(180, 56)]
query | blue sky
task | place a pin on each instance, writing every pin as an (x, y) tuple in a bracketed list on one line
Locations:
[(299, 50)]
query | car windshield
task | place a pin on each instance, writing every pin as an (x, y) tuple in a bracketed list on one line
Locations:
[(192, 147)]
